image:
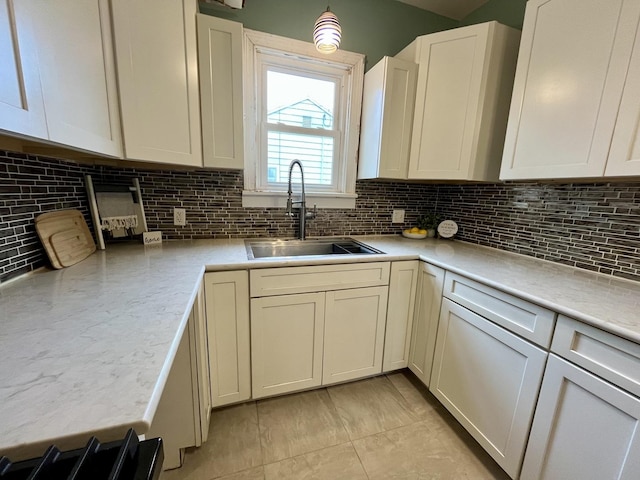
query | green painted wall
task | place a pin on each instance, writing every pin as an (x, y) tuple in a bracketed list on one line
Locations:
[(372, 27), (507, 12)]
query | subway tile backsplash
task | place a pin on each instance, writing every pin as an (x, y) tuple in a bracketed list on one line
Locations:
[(590, 226)]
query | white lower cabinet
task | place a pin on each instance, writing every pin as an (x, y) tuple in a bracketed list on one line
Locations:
[(354, 333), (489, 379), (286, 343), (227, 304), (400, 311), (584, 428), (181, 418), (425, 321)]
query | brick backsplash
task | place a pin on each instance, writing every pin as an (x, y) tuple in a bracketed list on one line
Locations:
[(591, 226)]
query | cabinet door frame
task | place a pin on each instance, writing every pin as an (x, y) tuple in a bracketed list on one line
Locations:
[(25, 115), (228, 333), (516, 167), (558, 373), (260, 387), (507, 449), (425, 322), (220, 67), (335, 346)]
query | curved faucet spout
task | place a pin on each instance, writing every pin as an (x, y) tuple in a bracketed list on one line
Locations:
[(302, 201)]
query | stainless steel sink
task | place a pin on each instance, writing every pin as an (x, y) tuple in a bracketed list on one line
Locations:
[(306, 248)]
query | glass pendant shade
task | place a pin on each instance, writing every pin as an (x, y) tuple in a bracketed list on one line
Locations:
[(327, 32)]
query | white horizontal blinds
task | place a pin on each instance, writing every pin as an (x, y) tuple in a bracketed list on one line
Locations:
[(300, 108)]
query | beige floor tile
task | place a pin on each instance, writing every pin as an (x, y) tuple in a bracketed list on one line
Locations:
[(251, 474), (370, 406), (297, 424), (333, 463), (425, 450), (422, 403), (233, 446)]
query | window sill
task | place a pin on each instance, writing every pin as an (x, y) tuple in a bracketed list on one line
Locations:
[(279, 199)]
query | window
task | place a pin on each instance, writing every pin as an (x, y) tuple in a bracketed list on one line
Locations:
[(300, 105)]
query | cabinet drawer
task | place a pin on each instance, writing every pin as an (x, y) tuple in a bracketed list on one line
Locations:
[(530, 321), (318, 278), (611, 357)]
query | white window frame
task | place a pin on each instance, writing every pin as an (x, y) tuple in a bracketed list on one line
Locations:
[(256, 195)]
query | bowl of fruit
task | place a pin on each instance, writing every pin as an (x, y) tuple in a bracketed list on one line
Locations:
[(415, 233)]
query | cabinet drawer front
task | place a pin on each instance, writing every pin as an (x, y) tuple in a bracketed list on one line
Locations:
[(530, 321), (612, 358), (320, 278)]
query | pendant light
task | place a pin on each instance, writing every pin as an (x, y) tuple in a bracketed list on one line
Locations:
[(327, 32)]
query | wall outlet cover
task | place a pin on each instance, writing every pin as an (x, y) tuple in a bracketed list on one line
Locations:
[(397, 216), (179, 217), (152, 238)]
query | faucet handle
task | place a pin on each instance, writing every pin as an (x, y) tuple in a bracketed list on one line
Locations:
[(313, 214)]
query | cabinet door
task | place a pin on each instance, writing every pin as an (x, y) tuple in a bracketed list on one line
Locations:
[(21, 105), (387, 116), (450, 78), (77, 71), (584, 428), (354, 333), (402, 296), (286, 343), (571, 72), (227, 304), (156, 56), (624, 156), (220, 67), (425, 322), (203, 375), (488, 379)]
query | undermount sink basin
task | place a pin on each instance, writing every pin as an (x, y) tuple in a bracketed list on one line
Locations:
[(305, 248)]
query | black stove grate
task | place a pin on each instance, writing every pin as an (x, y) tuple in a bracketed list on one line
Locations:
[(126, 459)]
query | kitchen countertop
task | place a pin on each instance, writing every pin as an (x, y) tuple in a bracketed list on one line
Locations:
[(86, 350)]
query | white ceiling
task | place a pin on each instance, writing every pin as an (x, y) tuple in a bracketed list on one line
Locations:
[(457, 9)]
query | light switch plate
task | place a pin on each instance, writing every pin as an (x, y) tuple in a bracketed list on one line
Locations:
[(397, 216), (152, 238)]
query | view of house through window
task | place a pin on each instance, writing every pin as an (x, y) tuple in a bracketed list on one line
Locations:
[(300, 110)]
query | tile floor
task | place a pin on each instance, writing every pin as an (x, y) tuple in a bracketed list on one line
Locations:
[(387, 427)]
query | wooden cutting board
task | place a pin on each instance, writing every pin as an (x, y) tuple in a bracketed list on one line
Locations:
[(65, 236)]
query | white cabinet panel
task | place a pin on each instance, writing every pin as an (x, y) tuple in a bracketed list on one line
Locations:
[(488, 379), (156, 56), (354, 333), (400, 310), (570, 77), (227, 303), (462, 100), (286, 343), (624, 157), (584, 428), (220, 67), (21, 104), (387, 118), (77, 73), (425, 322)]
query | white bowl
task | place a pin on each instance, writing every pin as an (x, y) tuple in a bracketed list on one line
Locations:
[(415, 236)]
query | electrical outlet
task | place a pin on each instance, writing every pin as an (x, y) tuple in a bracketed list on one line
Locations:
[(179, 217), (398, 216)]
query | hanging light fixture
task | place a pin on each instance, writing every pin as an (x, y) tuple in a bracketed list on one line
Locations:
[(327, 32)]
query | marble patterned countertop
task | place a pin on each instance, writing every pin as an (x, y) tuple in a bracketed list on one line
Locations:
[(86, 350)]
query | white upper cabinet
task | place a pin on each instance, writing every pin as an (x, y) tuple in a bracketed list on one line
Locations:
[(220, 66), (577, 63), (77, 73), (387, 114), (462, 101), (156, 56), (58, 74), (21, 105)]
